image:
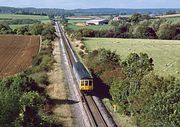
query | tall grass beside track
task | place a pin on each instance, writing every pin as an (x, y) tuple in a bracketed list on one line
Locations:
[(165, 53)]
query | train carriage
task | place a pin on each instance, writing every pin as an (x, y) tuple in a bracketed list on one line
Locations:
[(83, 77)]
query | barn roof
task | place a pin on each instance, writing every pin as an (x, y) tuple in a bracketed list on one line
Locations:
[(97, 20)]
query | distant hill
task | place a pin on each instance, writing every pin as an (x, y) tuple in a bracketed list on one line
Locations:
[(35, 11), (113, 11), (88, 12)]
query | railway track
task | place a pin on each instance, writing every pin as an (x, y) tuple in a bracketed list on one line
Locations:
[(95, 117)]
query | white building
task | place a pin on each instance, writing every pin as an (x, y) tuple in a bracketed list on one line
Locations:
[(97, 22)]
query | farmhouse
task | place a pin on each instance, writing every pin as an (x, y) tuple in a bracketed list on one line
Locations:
[(97, 22), (121, 17)]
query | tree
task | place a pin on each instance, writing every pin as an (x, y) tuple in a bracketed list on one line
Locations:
[(135, 67), (76, 35), (138, 17), (24, 30), (156, 24), (36, 29), (166, 31), (157, 102), (48, 32), (5, 29), (142, 30), (11, 90), (30, 103)]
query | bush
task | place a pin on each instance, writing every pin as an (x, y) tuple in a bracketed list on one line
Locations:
[(82, 47), (166, 31), (81, 53), (177, 37), (41, 78)]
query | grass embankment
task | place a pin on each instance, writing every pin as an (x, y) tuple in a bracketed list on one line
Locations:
[(8, 17), (165, 53)]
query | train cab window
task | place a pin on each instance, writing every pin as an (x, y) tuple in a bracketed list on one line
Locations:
[(90, 83), (82, 83), (86, 83)]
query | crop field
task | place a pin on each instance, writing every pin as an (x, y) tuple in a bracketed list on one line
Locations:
[(16, 53), (7, 17), (76, 20), (16, 16), (165, 53), (172, 18), (94, 27)]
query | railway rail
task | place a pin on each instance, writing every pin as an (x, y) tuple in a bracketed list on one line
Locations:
[(95, 117)]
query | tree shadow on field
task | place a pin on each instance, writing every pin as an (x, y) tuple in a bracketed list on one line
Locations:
[(101, 90)]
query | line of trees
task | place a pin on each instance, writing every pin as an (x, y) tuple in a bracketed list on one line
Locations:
[(151, 100), (137, 26), (46, 30)]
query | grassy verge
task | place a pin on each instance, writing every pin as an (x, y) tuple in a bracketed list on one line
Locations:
[(121, 120), (58, 92)]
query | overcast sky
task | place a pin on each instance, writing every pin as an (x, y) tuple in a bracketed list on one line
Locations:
[(73, 4)]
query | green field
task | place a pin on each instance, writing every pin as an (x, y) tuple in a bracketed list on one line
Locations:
[(174, 19), (4, 17), (76, 20), (165, 53), (99, 27)]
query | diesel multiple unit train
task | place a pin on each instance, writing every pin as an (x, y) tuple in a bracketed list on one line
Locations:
[(83, 77)]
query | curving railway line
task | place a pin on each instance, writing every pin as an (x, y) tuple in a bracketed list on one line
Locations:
[(92, 111)]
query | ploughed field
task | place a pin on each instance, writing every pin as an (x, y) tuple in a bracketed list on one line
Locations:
[(16, 53), (165, 53)]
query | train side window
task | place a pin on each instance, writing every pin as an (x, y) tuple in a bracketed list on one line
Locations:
[(86, 83), (90, 83), (82, 82)]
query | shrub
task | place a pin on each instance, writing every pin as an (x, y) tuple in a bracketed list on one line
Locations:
[(41, 78), (82, 47), (81, 53)]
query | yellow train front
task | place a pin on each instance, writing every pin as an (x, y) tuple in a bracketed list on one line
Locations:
[(84, 79)]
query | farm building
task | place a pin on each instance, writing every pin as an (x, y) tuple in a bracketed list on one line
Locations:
[(121, 17), (97, 22), (118, 18)]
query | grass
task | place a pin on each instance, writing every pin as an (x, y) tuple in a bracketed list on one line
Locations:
[(16, 16), (98, 27), (76, 20), (165, 53), (5, 17), (174, 19), (121, 120), (16, 26)]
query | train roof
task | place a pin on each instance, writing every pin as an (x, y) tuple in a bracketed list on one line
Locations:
[(82, 71)]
